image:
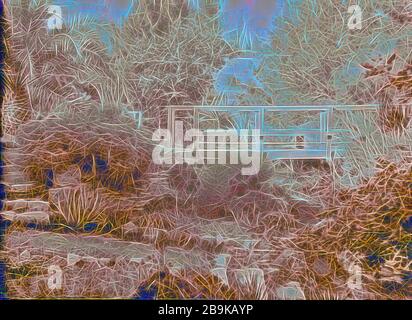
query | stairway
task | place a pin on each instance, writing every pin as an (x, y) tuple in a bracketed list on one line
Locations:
[(21, 202)]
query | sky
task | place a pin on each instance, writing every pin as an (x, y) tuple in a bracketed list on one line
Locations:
[(257, 15)]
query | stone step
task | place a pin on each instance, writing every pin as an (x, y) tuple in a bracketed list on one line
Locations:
[(27, 205), (97, 247), (11, 168), (8, 140), (15, 178), (26, 217), (20, 187), (12, 156), (77, 266)]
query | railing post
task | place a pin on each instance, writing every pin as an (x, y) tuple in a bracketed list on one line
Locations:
[(326, 117), (170, 123), (196, 119), (262, 129)]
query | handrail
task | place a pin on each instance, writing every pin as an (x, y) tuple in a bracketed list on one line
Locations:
[(279, 107), (325, 132)]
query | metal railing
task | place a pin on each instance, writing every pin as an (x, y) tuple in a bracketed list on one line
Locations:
[(308, 143)]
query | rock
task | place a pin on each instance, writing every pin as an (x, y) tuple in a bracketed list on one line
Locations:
[(24, 256), (71, 177), (27, 217), (321, 266), (72, 259), (221, 273), (253, 278), (129, 227), (222, 260), (38, 206), (291, 291)]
